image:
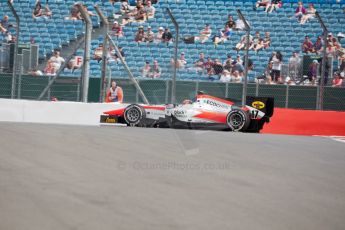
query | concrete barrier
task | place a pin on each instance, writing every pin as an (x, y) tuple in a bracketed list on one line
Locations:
[(75, 113)]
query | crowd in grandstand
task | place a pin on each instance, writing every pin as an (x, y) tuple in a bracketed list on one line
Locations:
[(228, 71)]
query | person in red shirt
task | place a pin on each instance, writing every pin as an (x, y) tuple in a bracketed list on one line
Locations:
[(117, 29), (307, 46), (337, 81)]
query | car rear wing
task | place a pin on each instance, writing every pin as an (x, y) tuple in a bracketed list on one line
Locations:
[(264, 104)]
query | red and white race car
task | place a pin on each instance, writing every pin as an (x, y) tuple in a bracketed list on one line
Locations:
[(205, 111)]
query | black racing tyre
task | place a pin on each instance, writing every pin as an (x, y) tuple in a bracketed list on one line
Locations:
[(238, 120), (134, 114)]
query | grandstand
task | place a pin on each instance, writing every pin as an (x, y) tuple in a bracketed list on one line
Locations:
[(286, 33)]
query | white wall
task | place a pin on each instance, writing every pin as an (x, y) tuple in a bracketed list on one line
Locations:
[(53, 112)]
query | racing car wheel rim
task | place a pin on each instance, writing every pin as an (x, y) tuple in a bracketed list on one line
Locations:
[(236, 120), (133, 115)]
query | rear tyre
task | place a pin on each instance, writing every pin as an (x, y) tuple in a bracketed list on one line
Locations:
[(134, 114), (238, 120)]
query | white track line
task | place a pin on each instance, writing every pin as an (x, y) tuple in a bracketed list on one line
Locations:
[(335, 138)]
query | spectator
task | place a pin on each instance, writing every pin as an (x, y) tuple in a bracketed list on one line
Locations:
[(167, 36), (310, 13), (340, 36), (261, 3), (98, 53), (158, 37), (255, 40), (223, 35), (8, 37), (36, 72), (235, 77), (300, 11), (209, 66), (72, 64), (181, 62), (115, 93), (241, 45), (38, 12), (239, 60), (125, 8), (140, 35), (150, 10), (149, 35), (49, 70), (269, 73), (225, 76), (200, 63), (146, 69), (140, 13), (330, 37), (318, 45), (74, 12), (204, 34), (307, 45), (155, 71), (332, 47), (238, 65), (231, 23), (267, 40), (113, 54), (273, 5), (289, 81), (312, 71), (228, 63), (117, 29), (56, 60), (337, 81), (5, 24), (217, 67), (277, 59), (294, 64)]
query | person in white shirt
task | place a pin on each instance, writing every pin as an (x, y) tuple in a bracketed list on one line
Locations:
[(159, 34), (236, 78), (181, 62), (150, 10), (204, 34), (294, 64), (276, 58), (225, 77), (149, 35), (56, 61)]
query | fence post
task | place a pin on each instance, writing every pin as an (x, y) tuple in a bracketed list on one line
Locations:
[(196, 87), (18, 69), (245, 83), (16, 45), (166, 91), (226, 89), (177, 34), (257, 89), (49, 90), (287, 97), (86, 65)]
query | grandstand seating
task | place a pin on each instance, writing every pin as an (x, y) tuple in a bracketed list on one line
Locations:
[(286, 33)]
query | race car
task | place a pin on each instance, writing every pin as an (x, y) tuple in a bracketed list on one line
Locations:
[(204, 112)]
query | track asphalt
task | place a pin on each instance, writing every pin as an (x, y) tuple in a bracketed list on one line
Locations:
[(87, 178)]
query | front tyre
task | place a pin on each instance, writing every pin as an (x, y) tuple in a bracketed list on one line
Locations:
[(238, 120), (134, 114)]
